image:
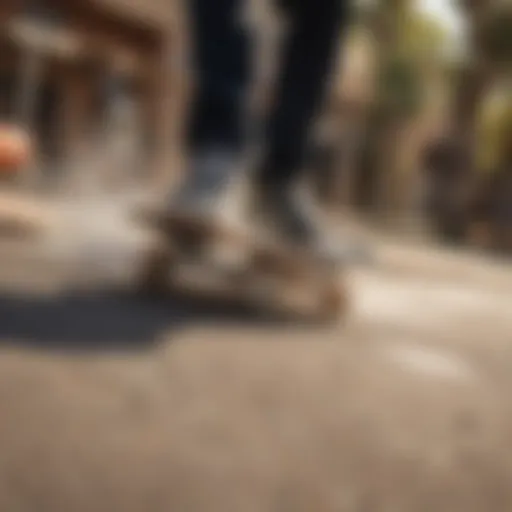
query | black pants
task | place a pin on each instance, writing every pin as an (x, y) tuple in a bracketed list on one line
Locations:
[(223, 53)]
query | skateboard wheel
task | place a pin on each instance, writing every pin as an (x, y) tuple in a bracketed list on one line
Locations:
[(154, 278), (332, 303)]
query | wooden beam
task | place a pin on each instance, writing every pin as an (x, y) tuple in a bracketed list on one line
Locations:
[(56, 41)]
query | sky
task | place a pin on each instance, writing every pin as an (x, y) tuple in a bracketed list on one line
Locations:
[(444, 11)]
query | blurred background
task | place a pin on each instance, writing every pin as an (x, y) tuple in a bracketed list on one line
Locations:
[(113, 402), (415, 135)]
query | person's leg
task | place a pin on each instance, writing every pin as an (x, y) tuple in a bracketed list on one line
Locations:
[(308, 59), (217, 125), (309, 56), (222, 59)]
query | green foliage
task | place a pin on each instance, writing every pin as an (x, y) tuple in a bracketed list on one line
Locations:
[(494, 131), (416, 45), (400, 90), (422, 39)]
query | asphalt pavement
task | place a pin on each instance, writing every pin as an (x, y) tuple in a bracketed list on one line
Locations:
[(113, 401)]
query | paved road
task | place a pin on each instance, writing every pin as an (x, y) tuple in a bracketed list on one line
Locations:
[(112, 402)]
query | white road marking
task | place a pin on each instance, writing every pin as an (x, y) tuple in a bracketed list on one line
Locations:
[(427, 304), (431, 362)]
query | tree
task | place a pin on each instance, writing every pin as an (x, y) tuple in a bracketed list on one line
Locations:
[(489, 43), (408, 45)]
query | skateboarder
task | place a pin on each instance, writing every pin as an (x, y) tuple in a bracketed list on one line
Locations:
[(218, 121)]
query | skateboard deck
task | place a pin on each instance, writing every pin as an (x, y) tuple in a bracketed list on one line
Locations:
[(210, 259)]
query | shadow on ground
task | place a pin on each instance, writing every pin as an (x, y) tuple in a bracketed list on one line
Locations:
[(106, 320)]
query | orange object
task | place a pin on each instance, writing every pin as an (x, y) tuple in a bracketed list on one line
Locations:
[(15, 149)]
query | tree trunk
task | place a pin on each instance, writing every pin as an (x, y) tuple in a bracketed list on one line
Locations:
[(472, 85)]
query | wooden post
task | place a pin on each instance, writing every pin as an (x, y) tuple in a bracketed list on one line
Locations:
[(170, 82), (30, 78), (74, 113), (352, 133), (31, 74)]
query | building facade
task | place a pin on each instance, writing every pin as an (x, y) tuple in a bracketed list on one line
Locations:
[(65, 65)]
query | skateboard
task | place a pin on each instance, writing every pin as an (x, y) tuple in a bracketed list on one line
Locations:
[(203, 258)]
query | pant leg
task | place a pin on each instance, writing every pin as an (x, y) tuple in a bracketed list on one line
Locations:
[(307, 61), (222, 57)]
